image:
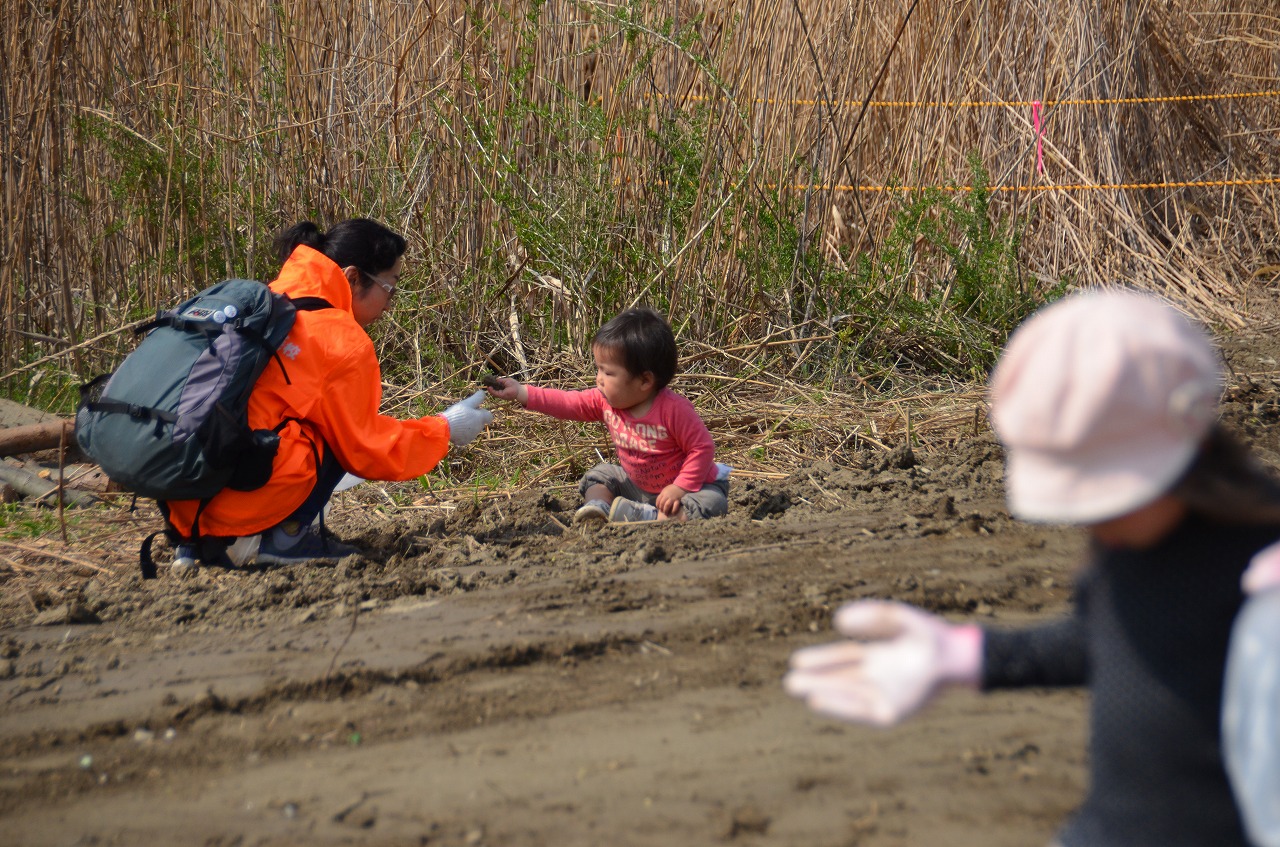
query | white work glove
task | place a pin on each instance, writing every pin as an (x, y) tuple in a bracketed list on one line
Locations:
[(466, 419), (348, 481), (900, 658)]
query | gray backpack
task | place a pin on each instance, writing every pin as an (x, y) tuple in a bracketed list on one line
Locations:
[(171, 423)]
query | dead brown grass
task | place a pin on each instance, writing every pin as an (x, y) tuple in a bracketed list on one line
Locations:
[(148, 148)]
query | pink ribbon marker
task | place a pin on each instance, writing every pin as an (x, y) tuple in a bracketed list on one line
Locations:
[(1035, 119)]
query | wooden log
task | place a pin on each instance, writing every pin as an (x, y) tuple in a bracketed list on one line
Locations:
[(32, 485), (33, 437), (17, 414), (82, 477)]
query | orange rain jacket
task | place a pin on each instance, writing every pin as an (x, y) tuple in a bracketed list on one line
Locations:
[(334, 391)]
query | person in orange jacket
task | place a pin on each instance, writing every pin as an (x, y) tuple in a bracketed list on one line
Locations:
[(327, 396)]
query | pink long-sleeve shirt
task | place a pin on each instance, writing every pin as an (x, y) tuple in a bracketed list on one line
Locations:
[(668, 444)]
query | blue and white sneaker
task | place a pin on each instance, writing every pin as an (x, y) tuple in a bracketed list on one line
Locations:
[(185, 558), (278, 547)]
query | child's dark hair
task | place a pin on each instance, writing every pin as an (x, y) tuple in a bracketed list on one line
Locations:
[(359, 242), (646, 342), (1226, 482)]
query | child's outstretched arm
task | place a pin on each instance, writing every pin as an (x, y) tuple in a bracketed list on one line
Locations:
[(506, 388)]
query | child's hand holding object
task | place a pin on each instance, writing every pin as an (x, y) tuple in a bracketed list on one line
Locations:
[(505, 388)]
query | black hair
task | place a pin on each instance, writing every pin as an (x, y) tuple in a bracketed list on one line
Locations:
[(366, 244), (646, 342), (1227, 483)]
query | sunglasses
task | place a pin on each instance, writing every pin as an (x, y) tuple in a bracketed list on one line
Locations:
[(385, 286)]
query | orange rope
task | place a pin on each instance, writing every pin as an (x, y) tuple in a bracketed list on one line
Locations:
[(1083, 186), (1079, 186), (955, 104), (1200, 183), (961, 104)]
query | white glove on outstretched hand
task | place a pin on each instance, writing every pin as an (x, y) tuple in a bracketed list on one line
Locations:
[(466, 419), (900, 658)]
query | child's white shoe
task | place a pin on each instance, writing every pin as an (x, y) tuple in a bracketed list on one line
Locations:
[(626, 511), (593, 512)]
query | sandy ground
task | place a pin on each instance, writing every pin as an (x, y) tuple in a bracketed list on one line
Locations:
[(492, 675)]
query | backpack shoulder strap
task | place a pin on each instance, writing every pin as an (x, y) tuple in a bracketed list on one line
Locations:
[(301, 304), (310, 304), (145, 562)]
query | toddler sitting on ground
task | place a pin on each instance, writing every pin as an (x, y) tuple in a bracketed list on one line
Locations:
[(667, 458)]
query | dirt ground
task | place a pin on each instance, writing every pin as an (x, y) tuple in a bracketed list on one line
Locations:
[(495, 676)]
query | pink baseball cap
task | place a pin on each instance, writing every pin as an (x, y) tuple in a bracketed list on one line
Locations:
[(1102, 400)]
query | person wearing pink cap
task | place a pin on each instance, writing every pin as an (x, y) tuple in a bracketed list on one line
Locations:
[(1107, 405)]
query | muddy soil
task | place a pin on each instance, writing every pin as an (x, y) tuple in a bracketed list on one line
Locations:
[(492, 675)]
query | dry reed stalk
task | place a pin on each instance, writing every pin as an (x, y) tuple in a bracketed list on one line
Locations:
[(34, 550), (296, 103)]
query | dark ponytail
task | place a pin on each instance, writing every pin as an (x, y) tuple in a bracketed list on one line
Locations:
[(300, 233), (1226, 482), (366, 244)]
